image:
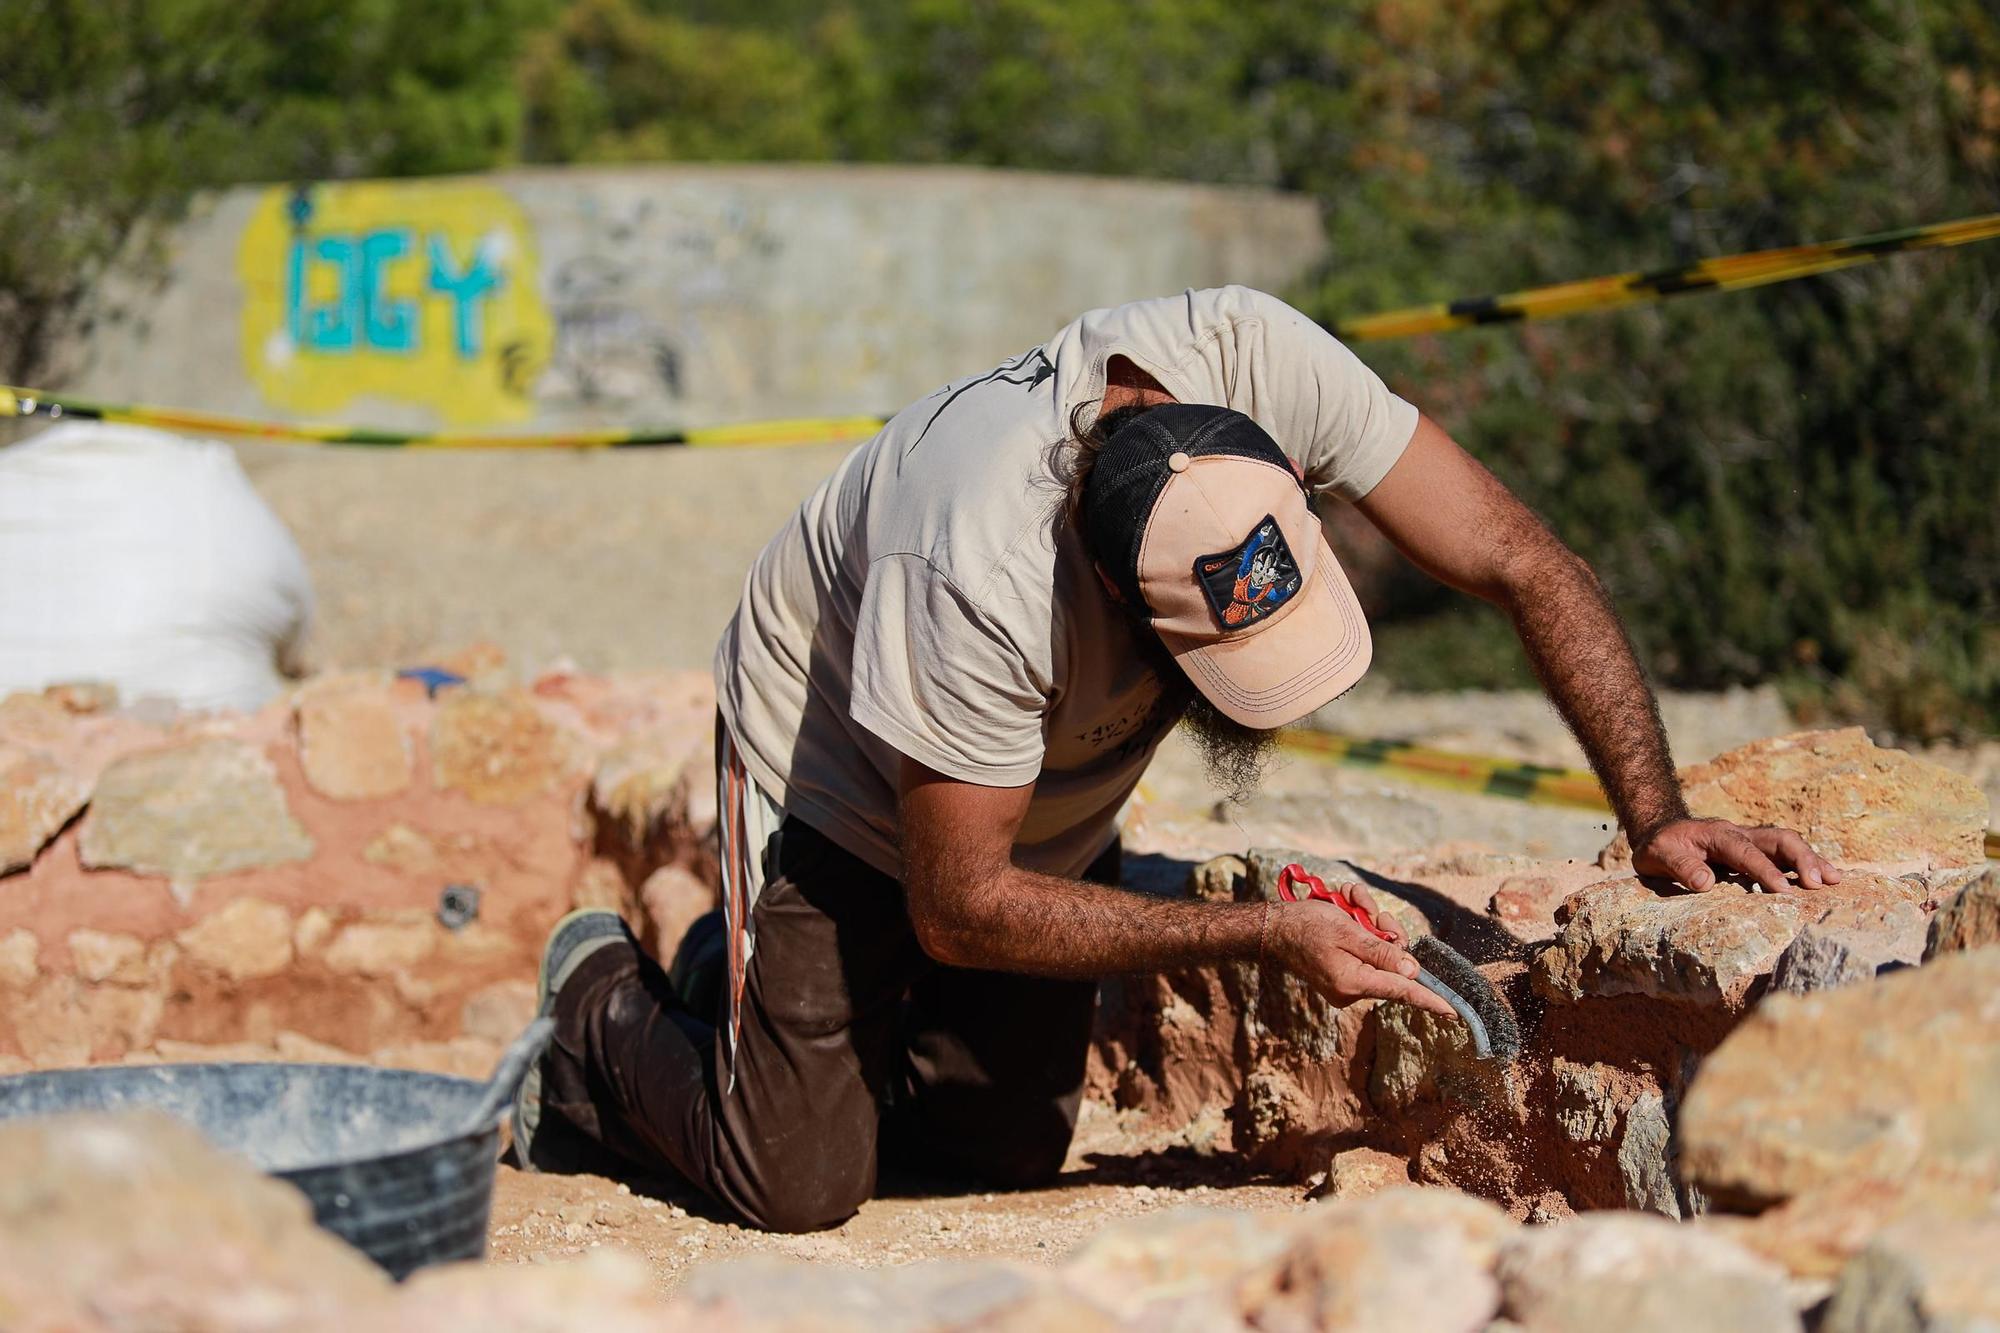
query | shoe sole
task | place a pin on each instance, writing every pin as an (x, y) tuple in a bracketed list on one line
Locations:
[(548, 983)]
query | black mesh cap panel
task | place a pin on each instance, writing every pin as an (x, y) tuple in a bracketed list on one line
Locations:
[(1131, 471)]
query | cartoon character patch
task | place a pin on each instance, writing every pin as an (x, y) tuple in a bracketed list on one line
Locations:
[(1249, 583)]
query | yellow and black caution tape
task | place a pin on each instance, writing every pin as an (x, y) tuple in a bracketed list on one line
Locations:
[(801, 430), (1727, 273), (1537, 784)]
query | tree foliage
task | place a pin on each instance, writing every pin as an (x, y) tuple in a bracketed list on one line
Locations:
[(1798, 482), (114, 112)]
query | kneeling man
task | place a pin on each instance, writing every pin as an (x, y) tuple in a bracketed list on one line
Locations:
[(946, 675)]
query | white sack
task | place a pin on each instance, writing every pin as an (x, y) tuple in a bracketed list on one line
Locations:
[(135, 558)]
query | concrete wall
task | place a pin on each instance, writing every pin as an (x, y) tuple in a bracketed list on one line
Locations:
[(656, 296), (630, 297)]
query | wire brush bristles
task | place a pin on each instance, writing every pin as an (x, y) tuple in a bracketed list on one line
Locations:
[(1448, 973)]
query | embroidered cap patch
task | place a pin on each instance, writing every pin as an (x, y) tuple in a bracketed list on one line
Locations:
[(1247, 584)]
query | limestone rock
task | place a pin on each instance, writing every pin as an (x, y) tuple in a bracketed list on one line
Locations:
[(37, 797), (1526, 904), (314, 929), (771, 1294), (1602, 1106), (1170, 1261), (1931, 1269), (1814, 1235), (400, 847), (245, 939), (1421, 1057), (1853, 800), (1622, 938), (101, 956), (298, 1047), (1854, 941), (194, 810), (113, 957), (1815, 961), (647, 782), (1969, 921), (498, 1012), (1639, 1274), (20, 959), (168, 1051), (673, 898), (1361, 1173), (1407, 1259), (352, 746), (1644, 1150), (603, 1291), (1889, 1079), (498, 749), (67, 1021), (132, 1222), (380, 948)]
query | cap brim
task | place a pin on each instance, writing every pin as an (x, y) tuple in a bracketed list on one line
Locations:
[(1296, 662)]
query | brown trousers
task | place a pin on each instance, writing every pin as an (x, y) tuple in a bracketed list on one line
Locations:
[(854, 1046)]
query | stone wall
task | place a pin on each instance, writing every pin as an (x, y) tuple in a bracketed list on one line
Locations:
[(1622, 987), (359, 869), (368, 869)]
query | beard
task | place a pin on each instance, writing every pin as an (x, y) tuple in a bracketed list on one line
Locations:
[(1234, 756)]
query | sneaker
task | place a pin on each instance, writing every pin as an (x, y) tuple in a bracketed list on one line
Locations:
[(700, 968), (575, 938)]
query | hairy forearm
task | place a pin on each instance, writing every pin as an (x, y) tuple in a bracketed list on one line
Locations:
[(1586, 664), (1014, 920)]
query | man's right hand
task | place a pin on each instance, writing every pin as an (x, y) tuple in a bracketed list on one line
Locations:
[(1341, 960)]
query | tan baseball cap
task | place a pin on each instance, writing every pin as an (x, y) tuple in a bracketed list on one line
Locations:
[(1196, 515)]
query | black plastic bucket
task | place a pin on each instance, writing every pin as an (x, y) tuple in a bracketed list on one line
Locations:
[(377, 1151)]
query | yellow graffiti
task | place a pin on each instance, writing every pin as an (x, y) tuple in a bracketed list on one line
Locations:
[(427, 294)]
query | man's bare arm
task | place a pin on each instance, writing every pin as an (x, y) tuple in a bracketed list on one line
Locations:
[(972, 907), (1455, 521)]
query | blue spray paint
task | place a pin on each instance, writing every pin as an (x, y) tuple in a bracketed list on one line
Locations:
[(361, 316)]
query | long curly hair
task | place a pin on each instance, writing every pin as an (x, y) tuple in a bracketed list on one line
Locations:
[(1071, 460)]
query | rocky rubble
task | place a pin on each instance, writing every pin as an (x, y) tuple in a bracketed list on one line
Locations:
[(134, 1222), (1853, 800), (361, 868), (110, 1224), (1623, 987), (1881, 1082), (1713, 950), (36, 799), (366, 871), (1969, 921)]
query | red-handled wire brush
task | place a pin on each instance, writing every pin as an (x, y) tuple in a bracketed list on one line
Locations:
[(1441, 969)]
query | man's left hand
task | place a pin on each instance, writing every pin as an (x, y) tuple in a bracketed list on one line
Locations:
[(1684, 849)]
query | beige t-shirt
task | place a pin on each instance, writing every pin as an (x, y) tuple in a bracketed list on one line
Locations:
[(925, 601)]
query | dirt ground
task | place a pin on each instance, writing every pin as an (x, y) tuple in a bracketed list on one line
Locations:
[(1111, 1174), (626, 560)]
